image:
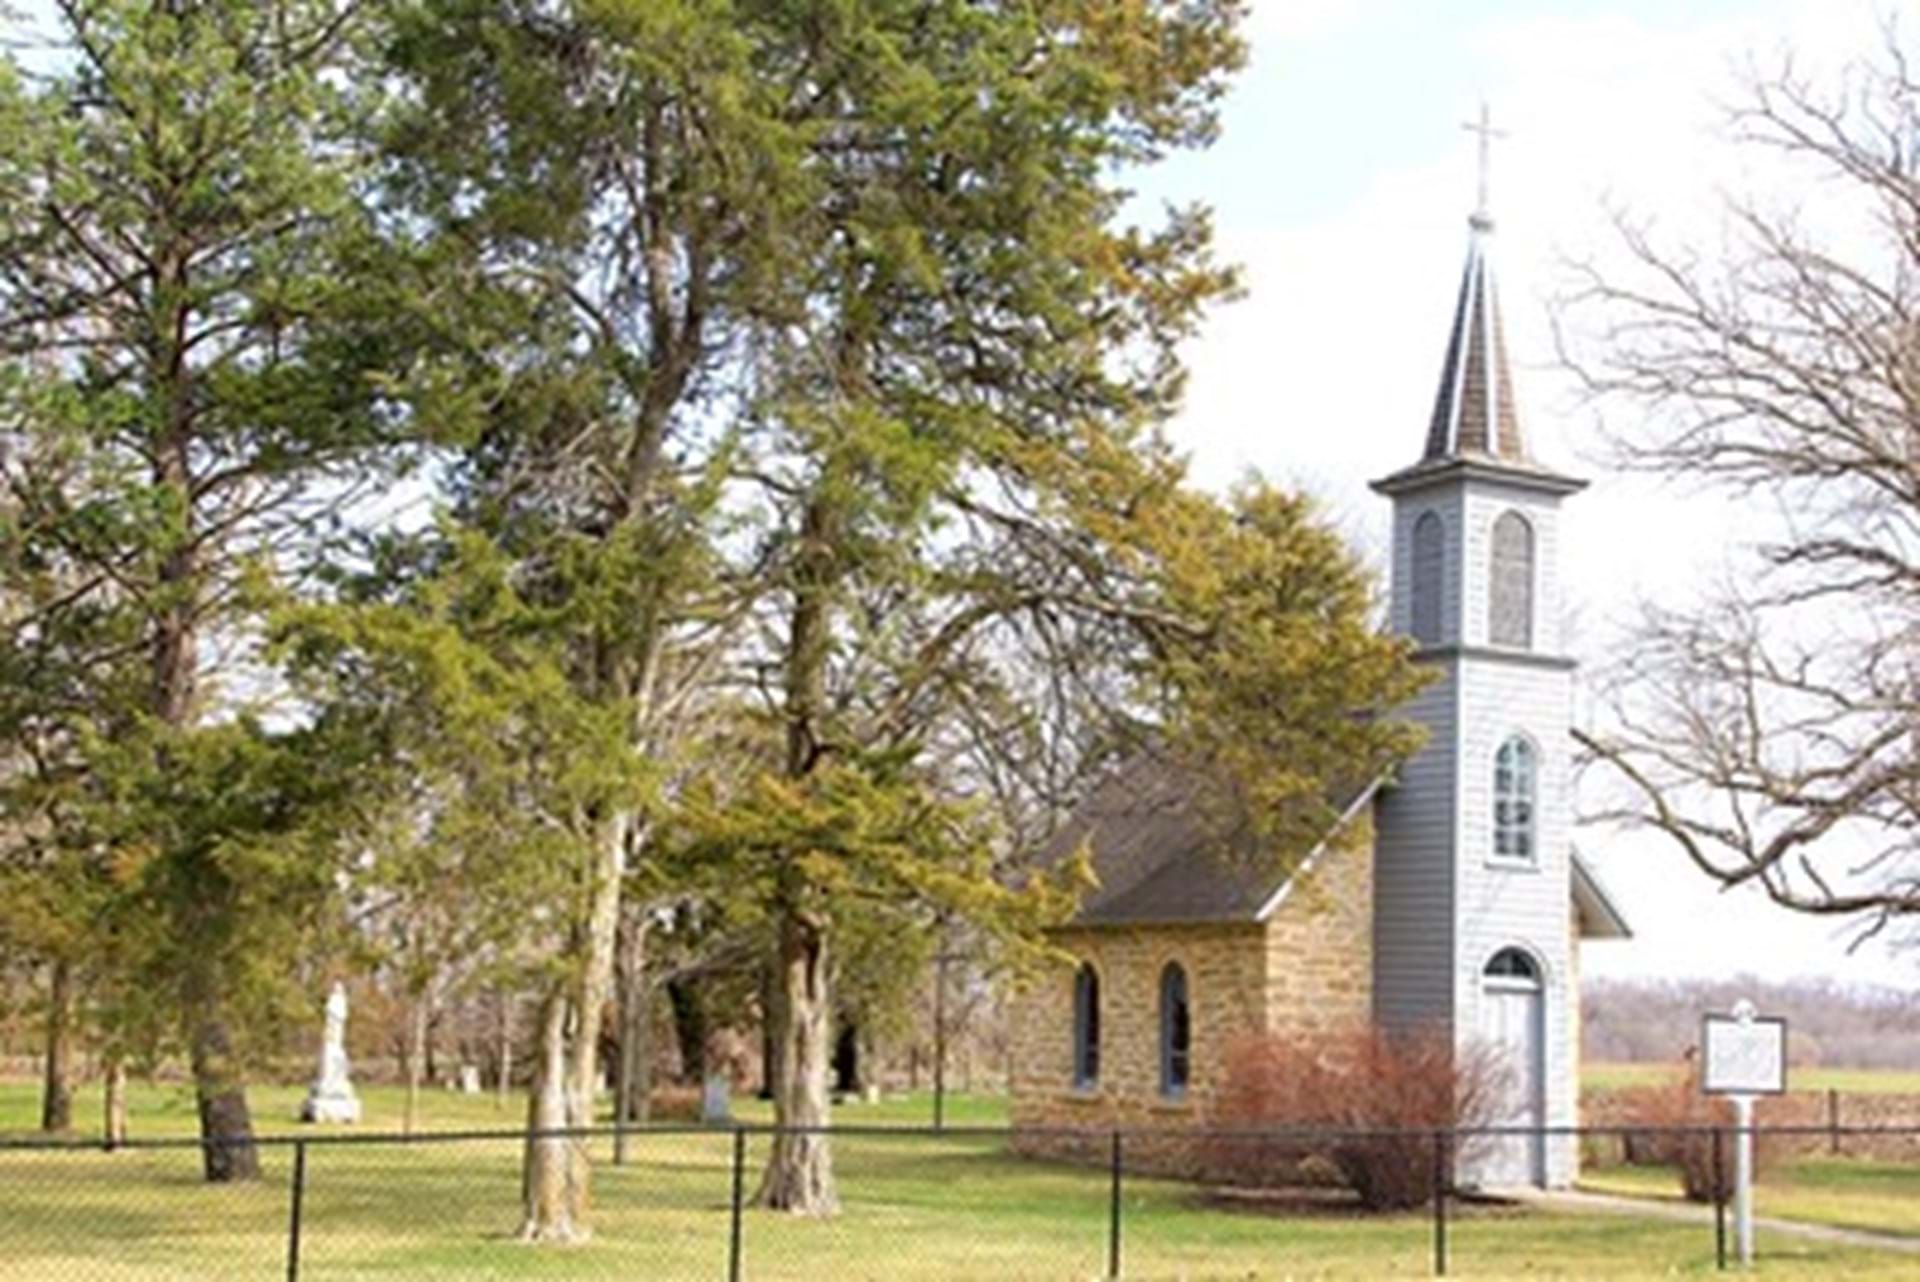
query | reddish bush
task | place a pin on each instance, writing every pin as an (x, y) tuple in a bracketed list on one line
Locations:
[(1387, 1092), (1679, 1104)]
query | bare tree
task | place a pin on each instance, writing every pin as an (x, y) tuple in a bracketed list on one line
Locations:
[(1769, 728)]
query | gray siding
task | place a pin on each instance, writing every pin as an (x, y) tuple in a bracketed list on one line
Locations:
[(1413, 882)]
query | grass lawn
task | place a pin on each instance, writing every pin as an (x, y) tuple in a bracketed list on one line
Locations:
[(917, 1209), (157, 1111), (1856, 1081), (1854, 1193)]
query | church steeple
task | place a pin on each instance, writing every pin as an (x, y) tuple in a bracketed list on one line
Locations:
[(1475, 424), (1473, 411)]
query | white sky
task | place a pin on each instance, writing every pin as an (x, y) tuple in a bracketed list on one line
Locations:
[(1342, 185)]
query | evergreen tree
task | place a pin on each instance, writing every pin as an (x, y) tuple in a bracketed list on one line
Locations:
[(186, 281)]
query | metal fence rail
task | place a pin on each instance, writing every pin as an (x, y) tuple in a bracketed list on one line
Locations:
[(338, 1206)]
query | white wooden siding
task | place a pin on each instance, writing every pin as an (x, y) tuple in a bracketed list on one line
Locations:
[(1443, 905)]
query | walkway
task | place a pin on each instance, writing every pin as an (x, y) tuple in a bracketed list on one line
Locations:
[(1687, 1212)]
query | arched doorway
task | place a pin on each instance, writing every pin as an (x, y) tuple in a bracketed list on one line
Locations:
[(1513, 1025)]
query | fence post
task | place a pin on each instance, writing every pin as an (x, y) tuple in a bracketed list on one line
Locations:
[(1833, 1121), (1113, 1210), (295, 1197), (739, 1177), (1440, 1204), (1719, 1201)]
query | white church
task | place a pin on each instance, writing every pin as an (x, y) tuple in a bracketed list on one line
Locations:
[(1467, 910)]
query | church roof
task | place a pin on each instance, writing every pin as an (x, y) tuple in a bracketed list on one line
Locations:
[(1600, 917), (1159, 859), (1162, 856)]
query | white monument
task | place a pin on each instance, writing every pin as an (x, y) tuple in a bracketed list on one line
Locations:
[(331, 1098)]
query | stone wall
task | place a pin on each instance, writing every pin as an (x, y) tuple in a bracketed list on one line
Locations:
[(1320, 942), (1307, 970), (1226, 985)]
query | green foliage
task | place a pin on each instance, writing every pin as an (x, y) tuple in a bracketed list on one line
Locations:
[(787, 377), (482, 771), (194, 330), (1281, 687)]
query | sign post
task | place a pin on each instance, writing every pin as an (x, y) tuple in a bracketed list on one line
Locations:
[(1743, 1056)]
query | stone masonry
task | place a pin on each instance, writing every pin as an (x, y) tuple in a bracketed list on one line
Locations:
[(1305, 970)]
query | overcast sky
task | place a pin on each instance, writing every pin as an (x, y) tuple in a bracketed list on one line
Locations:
[(1342, 184)]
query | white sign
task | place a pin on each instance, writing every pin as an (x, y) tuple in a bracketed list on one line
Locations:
[(1743, 1056)]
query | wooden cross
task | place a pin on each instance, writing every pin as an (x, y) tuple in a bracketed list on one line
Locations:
[(1484, 127)]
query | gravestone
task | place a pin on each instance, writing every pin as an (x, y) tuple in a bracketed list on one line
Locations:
[(715, 1100), (331, 1097), (469, 1079)]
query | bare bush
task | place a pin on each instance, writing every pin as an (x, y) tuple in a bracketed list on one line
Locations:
[(1378, 1097), (1676, 1114)]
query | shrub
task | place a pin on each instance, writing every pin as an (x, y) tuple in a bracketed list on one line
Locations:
[(1387, 1091), (1676, 1104)]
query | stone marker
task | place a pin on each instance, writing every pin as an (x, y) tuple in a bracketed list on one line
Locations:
[(331, 1097), (469, 1079), (715, 1102)]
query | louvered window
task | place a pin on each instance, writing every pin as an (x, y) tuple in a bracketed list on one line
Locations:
[(1429, 576), (1510, 601)]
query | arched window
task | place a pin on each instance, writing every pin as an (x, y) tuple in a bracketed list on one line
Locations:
[(1513, 964), (1176, 1031), (1510, 600), (1513, 794), (1429, 576), (1086, 1026)]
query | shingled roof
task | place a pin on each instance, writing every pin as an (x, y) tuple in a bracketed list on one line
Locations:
[(1162, 854), (1475, 425), (1473, 410)]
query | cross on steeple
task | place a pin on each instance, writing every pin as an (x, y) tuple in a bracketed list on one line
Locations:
[(1482, 217)]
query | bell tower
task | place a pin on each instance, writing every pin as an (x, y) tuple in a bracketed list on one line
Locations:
[(1472, 929)]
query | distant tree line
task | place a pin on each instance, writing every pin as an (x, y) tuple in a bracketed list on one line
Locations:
[(1829, 1023)]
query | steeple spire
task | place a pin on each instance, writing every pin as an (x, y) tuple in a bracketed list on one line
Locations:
[(1473, 412)]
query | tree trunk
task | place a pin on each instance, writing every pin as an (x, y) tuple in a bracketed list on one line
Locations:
[(558, 1171), (56, 1094), (554, 1175), (416, 1062), (846, 1059), (629, 1074), (799, 1175), (504, 1062), (226, 1125), (114, 1124), (769, 1057), (689, 1029)]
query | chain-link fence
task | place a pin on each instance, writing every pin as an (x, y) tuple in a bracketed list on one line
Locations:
[(915, 1203)]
